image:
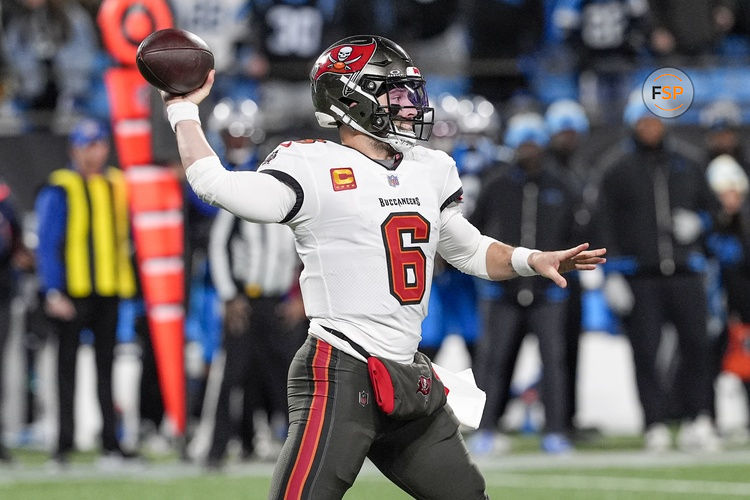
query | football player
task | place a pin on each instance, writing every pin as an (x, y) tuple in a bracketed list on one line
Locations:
[(369, 214)]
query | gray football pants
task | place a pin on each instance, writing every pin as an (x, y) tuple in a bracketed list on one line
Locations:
[(334, 423)]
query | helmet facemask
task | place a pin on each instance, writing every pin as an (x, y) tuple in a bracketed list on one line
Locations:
[(403, 114)]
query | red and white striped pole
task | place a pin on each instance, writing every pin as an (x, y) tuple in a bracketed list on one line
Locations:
[(155, 195)]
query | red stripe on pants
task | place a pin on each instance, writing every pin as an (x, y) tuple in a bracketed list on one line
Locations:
[(315, 420)]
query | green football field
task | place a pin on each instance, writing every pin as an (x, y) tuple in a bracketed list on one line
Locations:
[(610, 471)]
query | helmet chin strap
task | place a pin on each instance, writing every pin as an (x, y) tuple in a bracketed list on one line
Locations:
[(400, 143)]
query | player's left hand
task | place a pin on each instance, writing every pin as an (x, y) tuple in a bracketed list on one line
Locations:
[(553, 264)]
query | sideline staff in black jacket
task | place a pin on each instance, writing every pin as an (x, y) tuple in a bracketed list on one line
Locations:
[(528, 203), (654, 209)]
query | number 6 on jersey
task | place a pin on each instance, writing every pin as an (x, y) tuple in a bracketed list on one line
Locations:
[(407, 266)]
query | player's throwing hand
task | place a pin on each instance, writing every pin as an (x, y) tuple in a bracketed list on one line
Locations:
[(195, 96)]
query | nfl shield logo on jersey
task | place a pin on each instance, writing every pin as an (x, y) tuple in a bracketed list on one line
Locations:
[(364, 398), (393, 180)]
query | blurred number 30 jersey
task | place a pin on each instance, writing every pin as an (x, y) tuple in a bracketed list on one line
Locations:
[(367, 237)]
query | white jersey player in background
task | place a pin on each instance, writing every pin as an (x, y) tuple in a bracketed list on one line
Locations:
[(368, 216)]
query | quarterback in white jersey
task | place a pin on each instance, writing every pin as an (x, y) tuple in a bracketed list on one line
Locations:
[(367, 236), (368, 216)]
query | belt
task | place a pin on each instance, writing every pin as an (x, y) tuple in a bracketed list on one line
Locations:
[(361, 350)]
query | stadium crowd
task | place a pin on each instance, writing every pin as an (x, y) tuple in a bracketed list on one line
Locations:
[(534, 99)]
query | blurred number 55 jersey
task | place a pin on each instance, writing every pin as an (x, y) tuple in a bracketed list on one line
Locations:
[(367, 236)]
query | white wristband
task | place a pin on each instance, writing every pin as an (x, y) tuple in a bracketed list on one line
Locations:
[(519, 259), (183, 110)]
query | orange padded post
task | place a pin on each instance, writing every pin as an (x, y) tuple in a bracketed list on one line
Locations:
[(155, 193)]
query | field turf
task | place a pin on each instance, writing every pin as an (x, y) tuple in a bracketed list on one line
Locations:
[(612, 469)]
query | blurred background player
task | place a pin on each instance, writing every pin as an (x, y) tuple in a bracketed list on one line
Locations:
[(84, 268), (730, 244), (13, 255), (254, 267), (568, 127), (434, 32), (236, 129), (721, 120), (225, 26), (603, 40), (527, 203), (285, 36)]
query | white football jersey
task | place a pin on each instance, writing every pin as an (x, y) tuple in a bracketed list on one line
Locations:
[(367, 237)]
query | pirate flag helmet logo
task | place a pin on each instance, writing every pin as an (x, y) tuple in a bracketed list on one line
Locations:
[(345, 59)]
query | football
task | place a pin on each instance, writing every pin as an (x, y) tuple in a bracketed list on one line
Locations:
[(174, 60)]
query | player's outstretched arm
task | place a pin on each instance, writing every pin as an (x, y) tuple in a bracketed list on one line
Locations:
[(464, 247), (500, 262)]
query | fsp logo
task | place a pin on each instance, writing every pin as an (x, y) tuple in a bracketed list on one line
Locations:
[(343, 179), (668, 92)]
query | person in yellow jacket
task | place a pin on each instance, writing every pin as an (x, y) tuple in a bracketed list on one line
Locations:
[(85, 269)]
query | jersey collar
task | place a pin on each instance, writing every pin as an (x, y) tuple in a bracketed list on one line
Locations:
[(391, 164)]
